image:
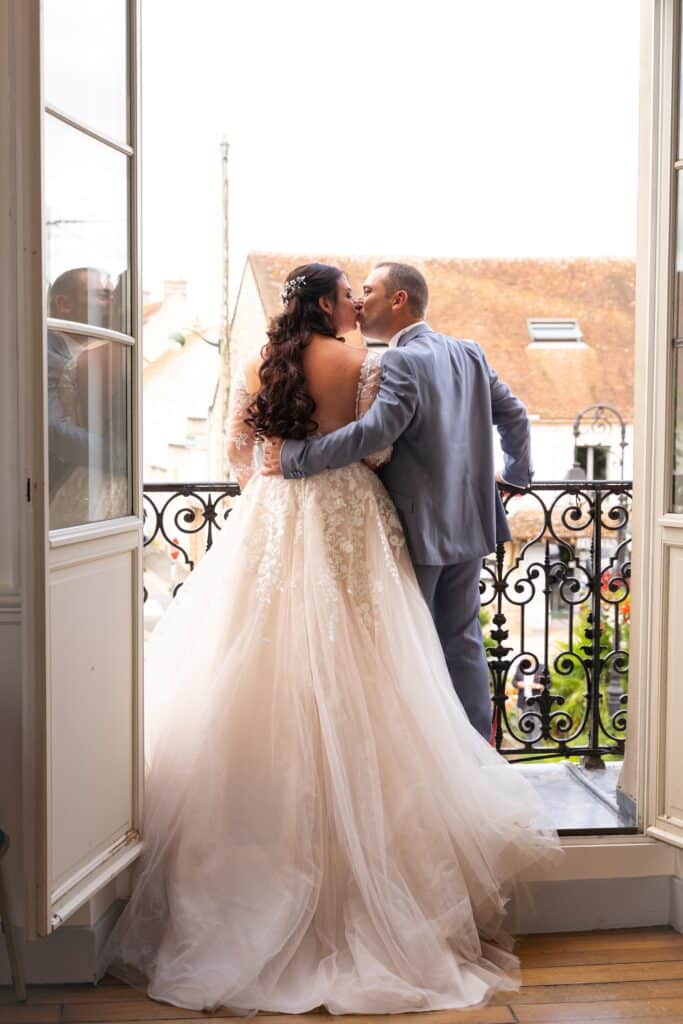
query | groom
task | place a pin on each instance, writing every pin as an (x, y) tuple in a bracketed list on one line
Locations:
[(437, 404)]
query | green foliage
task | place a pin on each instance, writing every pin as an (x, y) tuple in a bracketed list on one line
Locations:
[(486, 625), (572, 684), (568, 674)]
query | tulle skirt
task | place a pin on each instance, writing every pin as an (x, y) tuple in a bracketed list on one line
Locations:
[(322, 824)]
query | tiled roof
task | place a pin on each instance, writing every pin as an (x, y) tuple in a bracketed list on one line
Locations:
[(149, 309), (490, 301)]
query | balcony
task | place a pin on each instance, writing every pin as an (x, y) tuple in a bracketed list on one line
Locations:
[(555, 619)]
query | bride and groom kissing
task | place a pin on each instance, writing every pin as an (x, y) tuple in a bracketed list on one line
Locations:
[(326, 822), (436, 404)]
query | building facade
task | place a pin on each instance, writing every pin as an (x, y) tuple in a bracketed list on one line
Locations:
[(561, 334)]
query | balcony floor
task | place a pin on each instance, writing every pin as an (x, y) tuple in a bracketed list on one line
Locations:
[(578, 799)]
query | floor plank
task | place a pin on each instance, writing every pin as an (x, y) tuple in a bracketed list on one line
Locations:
[(82, 994), (605, 955), (586, 973), (29, 1014), (616, 939), (140, 1010), (591, 993), (576, 1012), (484, 1015), (127, 1013)]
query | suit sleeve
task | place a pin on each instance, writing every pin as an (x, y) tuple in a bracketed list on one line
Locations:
[(385, 420), (512, 421), (71, 444)]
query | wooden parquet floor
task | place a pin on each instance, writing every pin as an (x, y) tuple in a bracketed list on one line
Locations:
[(631, 975)]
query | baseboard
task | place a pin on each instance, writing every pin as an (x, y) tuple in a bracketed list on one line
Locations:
[(676, 918), (68, 955), (593, 904)]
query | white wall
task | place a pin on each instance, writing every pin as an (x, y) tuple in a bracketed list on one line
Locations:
[(248, 331), (553, 450)]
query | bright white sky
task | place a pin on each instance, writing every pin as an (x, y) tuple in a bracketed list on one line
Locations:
[(439, 128)]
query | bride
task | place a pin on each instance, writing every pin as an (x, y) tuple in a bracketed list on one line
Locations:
[(323, 826)]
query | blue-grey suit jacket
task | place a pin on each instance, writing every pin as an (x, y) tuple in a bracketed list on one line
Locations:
[(437, 404)]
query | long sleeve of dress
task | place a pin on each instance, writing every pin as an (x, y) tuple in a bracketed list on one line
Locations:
[(368, 386), (241, 439)]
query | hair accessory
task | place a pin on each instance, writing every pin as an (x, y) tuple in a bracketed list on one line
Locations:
[(292, 288)]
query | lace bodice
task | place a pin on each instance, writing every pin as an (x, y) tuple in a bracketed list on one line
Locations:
[(368, 386), (242, 442)]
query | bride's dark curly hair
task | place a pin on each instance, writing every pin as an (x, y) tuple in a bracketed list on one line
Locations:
[(283, 406)]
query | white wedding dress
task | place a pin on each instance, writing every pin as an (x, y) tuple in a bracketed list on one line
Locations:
[(322, 824)]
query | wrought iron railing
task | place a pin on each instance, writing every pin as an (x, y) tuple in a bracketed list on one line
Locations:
[(193, 512), (555, 607), (561, 689)]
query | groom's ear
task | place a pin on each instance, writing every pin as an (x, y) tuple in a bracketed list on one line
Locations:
[(400, 299)]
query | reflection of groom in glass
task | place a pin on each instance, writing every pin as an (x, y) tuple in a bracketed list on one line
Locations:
[(80, 295)]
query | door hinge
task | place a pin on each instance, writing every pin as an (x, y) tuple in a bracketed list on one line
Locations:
[(28, 489)]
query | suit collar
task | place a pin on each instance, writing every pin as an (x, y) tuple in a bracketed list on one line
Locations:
[(421, 327)]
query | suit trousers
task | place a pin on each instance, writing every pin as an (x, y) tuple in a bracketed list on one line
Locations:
[(452, 596)]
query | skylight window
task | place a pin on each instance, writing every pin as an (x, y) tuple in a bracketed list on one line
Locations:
[(554, 332)]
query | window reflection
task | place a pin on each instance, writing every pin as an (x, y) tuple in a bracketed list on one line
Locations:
[(678, 431), (84, 295), (88, 427), (86, 189)]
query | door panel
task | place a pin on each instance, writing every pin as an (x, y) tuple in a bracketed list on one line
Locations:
[(91, 736), (86, 733), (658, 566)]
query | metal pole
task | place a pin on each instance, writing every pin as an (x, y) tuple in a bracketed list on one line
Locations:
[(224, 349)]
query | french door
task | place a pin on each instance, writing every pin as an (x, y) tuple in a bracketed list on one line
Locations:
[(84, 699)]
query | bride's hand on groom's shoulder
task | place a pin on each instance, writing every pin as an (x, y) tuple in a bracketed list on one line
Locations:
[(271, 457)]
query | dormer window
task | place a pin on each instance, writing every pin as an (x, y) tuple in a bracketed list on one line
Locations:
[(554, 332)]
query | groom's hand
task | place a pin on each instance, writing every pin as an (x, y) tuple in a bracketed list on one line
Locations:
[(271, 457), (507, 489)]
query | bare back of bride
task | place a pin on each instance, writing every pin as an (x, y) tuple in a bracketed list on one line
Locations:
[(323, 826)]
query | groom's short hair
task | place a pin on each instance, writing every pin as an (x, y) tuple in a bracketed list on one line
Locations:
[(403, 277)]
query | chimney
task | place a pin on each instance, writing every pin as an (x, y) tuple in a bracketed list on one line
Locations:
[(175, 287)]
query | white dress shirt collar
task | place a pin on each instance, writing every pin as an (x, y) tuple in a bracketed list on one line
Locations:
[(393, 342)]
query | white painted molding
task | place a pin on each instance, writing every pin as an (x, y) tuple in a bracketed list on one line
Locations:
[(589, 857), (676, 916), (94, 531), (109, 867), (10, 609), (10, 469)]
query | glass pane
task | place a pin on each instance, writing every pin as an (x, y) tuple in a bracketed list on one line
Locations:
[(88, 394), (86, 62), (86, 210), (678, 285), (680, 90), (678, 430)]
